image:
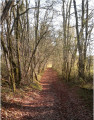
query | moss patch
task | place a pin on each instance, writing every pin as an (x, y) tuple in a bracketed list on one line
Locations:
[(36, 85)]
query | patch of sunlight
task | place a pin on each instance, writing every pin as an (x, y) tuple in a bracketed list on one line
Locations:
[(39, 77), (49, 65), (36, 85), (88, 86)]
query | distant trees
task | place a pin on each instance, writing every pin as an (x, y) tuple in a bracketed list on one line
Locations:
[(82, 36), (75, 39)]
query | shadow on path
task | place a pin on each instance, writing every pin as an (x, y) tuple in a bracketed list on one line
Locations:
[(55, 102)]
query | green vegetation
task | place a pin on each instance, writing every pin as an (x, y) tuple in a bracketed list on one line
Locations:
[(87, 96), (36, 86)]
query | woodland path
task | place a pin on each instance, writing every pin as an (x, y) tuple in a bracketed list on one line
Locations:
[(56, 101)]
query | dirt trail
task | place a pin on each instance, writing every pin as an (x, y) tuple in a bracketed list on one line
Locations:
[(47, 106), (55, 102)]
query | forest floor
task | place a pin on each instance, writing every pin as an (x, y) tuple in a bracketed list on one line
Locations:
[(56, 101)]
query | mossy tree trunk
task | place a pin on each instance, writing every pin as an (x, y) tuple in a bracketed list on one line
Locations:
[(18, 67)]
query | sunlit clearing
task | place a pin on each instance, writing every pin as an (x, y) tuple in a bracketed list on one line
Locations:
[(49, 65)]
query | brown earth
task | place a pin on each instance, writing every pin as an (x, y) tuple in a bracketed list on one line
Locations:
[(56, 101)]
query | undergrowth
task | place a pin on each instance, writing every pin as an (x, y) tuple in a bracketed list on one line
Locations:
[(7, 93), (87, 96), (36, 85)]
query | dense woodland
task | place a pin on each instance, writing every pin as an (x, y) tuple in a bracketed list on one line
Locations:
[(29, 40), (41, 32)]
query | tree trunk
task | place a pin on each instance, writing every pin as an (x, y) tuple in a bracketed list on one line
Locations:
[(18, 69), (80, 62)]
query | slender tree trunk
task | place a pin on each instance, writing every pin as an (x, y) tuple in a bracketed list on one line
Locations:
[(64, 35), (27, 17), (86, 36), (80, 67), (18, 69)]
